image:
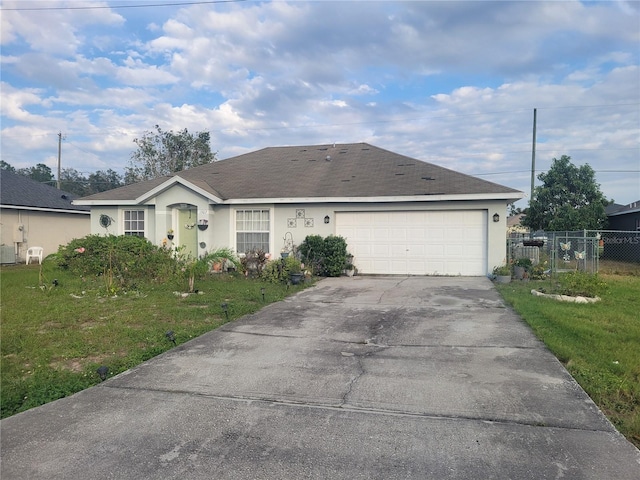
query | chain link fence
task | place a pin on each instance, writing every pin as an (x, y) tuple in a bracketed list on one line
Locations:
[(584, 250)]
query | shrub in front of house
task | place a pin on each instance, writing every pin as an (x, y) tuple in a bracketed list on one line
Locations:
[(125, 257), (312, 253), (335, 255), (277, 271), (324, 256)]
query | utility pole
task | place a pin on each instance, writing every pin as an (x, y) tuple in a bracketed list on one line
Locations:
[(59, 155), (533, 154)]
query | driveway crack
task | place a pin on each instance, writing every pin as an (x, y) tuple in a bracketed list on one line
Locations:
[(353, 381), (359, 373)]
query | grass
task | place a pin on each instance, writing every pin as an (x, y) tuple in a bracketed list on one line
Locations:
[(53, 338), (598, 343)]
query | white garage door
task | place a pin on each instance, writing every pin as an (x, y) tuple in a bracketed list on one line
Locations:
[(416, 243)]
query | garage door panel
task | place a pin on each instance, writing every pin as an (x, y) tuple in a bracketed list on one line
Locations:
[(417, 251), (426, 242), (435, 235)]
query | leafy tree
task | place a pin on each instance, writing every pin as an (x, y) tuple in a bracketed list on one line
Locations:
[(72, 181), (163, 153), (568, 199), (39, 173), (5, 166), (101, 181)]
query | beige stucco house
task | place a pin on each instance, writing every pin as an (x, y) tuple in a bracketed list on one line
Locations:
[(33, 214), (399, 215)]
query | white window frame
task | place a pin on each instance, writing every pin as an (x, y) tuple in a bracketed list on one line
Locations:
[(257, 227), (134, 231)]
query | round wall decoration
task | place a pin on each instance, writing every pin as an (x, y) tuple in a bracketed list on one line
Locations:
[(105, 221)]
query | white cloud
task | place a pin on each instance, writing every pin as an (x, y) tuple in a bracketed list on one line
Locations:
[(448, 82), (15, 102)]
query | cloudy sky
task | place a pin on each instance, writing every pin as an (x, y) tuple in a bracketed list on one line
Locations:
[(451, 83)]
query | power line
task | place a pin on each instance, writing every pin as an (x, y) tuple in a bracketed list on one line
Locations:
[(540, 171), (113, 7)]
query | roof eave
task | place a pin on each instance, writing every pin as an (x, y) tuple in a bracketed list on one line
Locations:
[(623, 212), (99, 203), (508, 196), (44, 209), (152, 193)]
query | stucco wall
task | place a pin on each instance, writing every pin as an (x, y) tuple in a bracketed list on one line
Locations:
[(294, 221), (48, 230)]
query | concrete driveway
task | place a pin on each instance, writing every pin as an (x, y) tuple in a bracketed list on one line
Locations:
[(372, 378)]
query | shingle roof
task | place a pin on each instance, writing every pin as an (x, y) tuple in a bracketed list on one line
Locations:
[(617, 209), (343, 170), (20, 191)]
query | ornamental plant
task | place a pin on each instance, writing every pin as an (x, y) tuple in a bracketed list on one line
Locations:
[(326, 257)]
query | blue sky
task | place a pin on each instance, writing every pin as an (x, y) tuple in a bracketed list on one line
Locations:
[(452, 83)]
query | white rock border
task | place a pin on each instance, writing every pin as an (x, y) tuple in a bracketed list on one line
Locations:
[(566, 298)]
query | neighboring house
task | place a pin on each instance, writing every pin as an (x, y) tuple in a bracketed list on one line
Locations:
[(33, 214), (398, 215), (624, 217), (514, 225)]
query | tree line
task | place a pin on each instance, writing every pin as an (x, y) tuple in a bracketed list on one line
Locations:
[(158, 153), (71, 180)]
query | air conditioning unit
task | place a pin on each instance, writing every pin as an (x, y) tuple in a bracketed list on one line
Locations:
[(7, 254)]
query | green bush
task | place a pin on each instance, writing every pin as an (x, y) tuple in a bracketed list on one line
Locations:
[(120, 259), (335, 255), (526, 263), (277, 271), (312, 253), (326, 257)]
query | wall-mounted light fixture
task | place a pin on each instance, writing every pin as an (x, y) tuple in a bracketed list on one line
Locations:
[(326, 219), (496, 217)]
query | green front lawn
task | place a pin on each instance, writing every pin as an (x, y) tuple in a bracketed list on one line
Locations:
[(53, 338), (598, 343)]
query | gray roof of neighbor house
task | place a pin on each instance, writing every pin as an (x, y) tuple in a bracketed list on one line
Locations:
[(320, 171), (18, 191), (617, 209)]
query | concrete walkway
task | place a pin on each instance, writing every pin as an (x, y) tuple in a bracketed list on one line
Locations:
[(372, 378)]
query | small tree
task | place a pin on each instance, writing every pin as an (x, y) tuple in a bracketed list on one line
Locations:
[(568, 199), (162, 153)]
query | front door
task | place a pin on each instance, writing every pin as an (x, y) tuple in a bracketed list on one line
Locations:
[(188, 231)]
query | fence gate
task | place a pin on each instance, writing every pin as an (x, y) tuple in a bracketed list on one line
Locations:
[(572, 253)]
